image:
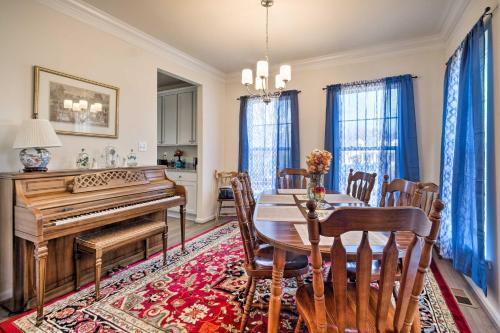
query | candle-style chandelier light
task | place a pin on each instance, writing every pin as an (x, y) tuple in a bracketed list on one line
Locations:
[(262, 73)]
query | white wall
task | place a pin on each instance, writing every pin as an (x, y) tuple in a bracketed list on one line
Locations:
[(32, 33), (425, 62), (468, 19)]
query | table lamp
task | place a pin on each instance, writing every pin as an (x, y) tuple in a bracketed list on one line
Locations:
[(33, 137)]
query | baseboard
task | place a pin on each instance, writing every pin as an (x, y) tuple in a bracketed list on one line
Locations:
[(204, 219), (490, 310), (5, 295)]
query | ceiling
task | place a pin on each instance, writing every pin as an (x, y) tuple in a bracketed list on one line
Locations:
[(230, 34)]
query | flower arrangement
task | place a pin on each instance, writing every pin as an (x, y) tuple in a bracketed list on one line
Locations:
[(318, 161)]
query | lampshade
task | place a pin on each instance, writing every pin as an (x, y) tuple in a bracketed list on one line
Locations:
[(286, 72), (279, 83), (36, 133), (246, 76), (83, 104), (262, 68)]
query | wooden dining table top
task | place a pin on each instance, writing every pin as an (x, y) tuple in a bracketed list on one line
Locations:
[(284, 235)]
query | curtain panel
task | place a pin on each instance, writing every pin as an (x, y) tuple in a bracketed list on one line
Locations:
[(269, 138), (371, 127), (467, 160)]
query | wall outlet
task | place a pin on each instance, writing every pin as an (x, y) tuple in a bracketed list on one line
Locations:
[(143, 146)]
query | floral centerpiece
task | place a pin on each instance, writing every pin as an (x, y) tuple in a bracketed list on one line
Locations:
[(318, 164)]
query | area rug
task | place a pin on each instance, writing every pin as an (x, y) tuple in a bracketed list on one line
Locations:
[(200, 290)]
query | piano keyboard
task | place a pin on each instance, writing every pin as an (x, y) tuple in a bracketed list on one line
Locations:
[(107, 212)]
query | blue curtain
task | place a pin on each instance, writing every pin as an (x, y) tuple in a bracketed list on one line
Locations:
[(469, 160), (288, 131), (243, 147), (370, 126), (269, 138)]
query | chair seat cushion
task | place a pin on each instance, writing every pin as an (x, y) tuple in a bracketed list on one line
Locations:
[(226, 193), (264, 258), (305, 304)]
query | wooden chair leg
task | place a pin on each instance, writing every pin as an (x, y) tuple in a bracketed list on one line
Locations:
[(247, 287), (76, 255), (217, 215), (417, 325), (298, 328), (300, 281), (248, 305), (98, 267)]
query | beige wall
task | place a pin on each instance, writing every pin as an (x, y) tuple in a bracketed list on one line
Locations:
[(426, 63), (34, 34)]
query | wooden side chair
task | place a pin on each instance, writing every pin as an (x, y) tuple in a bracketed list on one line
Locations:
[(343, 306), (225, 193), (399, 192), (259, 257), (360, 184), (244, 178), (425, 195), (292, 178)]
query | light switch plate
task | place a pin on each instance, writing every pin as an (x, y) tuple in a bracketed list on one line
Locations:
[(143, 146)]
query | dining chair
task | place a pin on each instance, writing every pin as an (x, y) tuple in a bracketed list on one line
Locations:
[(244, 178), (360, 185), (225, 193), (340, 305), (425, 195), (292, 178), (399, 192), (259, 257)]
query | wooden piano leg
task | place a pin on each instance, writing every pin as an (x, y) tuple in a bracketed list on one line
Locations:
[(183, 225), (98, 268), (77, 266), (41, 254), (165, 238)]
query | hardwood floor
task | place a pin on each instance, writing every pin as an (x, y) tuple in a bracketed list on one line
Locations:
[(476, 317)]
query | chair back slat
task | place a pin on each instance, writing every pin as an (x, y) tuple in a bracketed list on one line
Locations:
[(410, 267), (425, 195), (363, 279), (290, 178), (389, 268), (399, 192), (373, 304), (249, 201), (339, 279), (244, 222), (360, 184)]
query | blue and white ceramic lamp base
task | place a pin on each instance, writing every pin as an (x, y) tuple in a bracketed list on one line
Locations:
[(35, 159)]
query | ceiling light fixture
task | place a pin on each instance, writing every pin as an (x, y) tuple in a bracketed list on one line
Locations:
[(262, 72)]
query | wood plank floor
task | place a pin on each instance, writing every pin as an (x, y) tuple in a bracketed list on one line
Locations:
[(476, 317)]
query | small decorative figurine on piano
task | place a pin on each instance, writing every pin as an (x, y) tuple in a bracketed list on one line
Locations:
[(83, 160), (131, 159)]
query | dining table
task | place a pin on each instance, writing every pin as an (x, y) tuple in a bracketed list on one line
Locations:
[(280, 220)]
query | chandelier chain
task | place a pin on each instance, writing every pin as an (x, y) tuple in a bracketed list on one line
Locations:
[(267, 33)]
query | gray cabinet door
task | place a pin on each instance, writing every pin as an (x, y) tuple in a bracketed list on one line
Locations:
[(159, 120), (186, 129), (169, 128)]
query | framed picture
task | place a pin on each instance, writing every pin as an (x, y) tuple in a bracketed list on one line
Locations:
[(74, 105)]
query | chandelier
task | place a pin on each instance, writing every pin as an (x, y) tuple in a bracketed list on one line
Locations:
[(262, 74)]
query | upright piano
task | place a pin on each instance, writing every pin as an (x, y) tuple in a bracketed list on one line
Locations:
[(48, 210)]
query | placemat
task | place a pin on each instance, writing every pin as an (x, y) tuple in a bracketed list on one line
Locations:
[(276, 199), (279, 213), (351, 238), (292, 191), (341, 198)]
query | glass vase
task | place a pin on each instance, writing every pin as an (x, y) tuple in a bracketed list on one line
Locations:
[(316, 188)]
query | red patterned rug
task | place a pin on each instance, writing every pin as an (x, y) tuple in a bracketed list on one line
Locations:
[(199, 291)]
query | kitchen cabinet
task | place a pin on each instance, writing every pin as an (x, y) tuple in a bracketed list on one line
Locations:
[(189, 180), (177, 117)]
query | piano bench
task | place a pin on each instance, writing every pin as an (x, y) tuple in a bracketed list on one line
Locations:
[(97, 243)]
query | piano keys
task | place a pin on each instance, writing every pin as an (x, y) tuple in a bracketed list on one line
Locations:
[(50, 209)]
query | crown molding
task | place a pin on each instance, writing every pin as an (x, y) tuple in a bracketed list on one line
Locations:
[(101, 20), (451, 16), (372, 53)]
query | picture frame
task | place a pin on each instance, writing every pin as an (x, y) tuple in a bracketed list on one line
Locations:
[(75, 105)]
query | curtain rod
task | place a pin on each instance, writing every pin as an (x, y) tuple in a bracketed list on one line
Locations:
[(413, 77), (298, 92)]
